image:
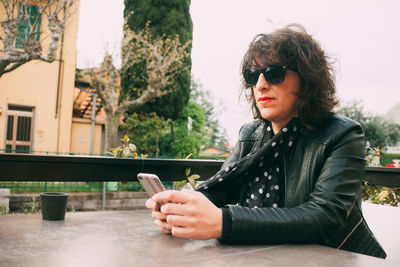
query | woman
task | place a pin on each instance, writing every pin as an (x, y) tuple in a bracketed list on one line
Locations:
[(295, 174)]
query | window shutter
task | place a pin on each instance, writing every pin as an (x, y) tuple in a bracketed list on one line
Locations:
[(23, 29)]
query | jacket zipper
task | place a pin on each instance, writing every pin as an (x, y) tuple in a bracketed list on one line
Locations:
[(351, 232)]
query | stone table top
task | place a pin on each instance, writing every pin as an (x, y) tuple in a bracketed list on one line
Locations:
[(129, 238)]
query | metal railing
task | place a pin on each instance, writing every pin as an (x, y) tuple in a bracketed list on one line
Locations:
[(28, 167)]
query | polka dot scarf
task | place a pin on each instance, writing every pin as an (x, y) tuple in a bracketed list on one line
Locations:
[(261, 171)]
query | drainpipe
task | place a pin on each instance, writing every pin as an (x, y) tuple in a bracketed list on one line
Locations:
[(94, 100), (60, 61), (93, 120), (104, 196), (93, 123), (59, 89)]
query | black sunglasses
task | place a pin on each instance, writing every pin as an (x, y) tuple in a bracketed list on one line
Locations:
[(274, 74)]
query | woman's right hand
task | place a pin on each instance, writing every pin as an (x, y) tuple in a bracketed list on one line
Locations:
[(160, 219)]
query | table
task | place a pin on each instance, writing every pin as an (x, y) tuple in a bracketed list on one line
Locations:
[(129, 238)]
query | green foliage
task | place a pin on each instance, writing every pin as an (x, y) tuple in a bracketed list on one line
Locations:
[(374, 193), (378, 131), (166, 18), (373, 157), (196, 112), (214, 134), (214, 157), (3, 210), (33, 209), (67, 187), (381, 195), (126, 150), (191, 179), (72, 208), (388, 157), (376, 157), (145, 130), (186, 143)]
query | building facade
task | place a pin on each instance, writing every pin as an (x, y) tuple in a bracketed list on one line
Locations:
[(36, 102)]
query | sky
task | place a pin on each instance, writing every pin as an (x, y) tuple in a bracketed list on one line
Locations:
[(360, 35)]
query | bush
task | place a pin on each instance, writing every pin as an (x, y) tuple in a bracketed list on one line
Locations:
[(388, 157), (381, 194)]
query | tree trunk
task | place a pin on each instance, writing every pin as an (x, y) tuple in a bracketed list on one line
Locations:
[(157, 149), (111, 132)]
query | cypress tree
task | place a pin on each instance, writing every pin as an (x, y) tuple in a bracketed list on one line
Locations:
[(166, 18)]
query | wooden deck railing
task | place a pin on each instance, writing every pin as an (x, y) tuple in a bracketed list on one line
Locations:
[(29, 167)]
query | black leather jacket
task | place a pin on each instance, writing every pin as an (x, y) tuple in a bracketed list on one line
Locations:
[(322, 192)]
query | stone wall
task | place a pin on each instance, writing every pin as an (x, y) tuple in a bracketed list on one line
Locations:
[(83, 201)]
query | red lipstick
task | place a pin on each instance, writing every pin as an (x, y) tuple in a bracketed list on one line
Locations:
[(265, 99)]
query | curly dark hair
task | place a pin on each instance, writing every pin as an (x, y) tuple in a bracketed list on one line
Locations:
[(293, 47)]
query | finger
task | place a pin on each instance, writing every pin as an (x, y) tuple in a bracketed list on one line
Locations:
[(182, 232), (158, 215), (165, 227), (191, 192), (165, 231), (176, 208), (172, 196), (181, 221), (149, 204)]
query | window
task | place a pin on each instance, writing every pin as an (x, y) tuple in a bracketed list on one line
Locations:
[(19, 129), (26, 26)]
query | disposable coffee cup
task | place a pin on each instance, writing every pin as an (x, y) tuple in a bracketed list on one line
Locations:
[(54, 205)]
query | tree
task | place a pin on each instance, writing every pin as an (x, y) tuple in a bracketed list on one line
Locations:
[(378, 131), (214, 134), (188, 141), (20, 30), (205, 130), (393, 114), (145, 131), (164, 60), (165, 19)]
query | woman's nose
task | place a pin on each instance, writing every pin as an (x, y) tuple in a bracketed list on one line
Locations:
[(261, 83)]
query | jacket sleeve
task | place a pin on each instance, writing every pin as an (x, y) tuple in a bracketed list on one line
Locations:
[(336, 190)]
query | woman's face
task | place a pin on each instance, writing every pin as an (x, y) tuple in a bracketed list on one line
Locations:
[(277, 102)]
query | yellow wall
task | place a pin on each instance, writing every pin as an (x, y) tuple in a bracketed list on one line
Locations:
[(35, 84), (80, 137)]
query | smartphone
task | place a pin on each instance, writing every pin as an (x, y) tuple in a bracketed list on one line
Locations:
[(151, 183)]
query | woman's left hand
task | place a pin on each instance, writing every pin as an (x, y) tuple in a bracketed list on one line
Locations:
[(191, 214)]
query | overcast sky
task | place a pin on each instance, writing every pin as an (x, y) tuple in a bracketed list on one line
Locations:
[(362, 35)]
